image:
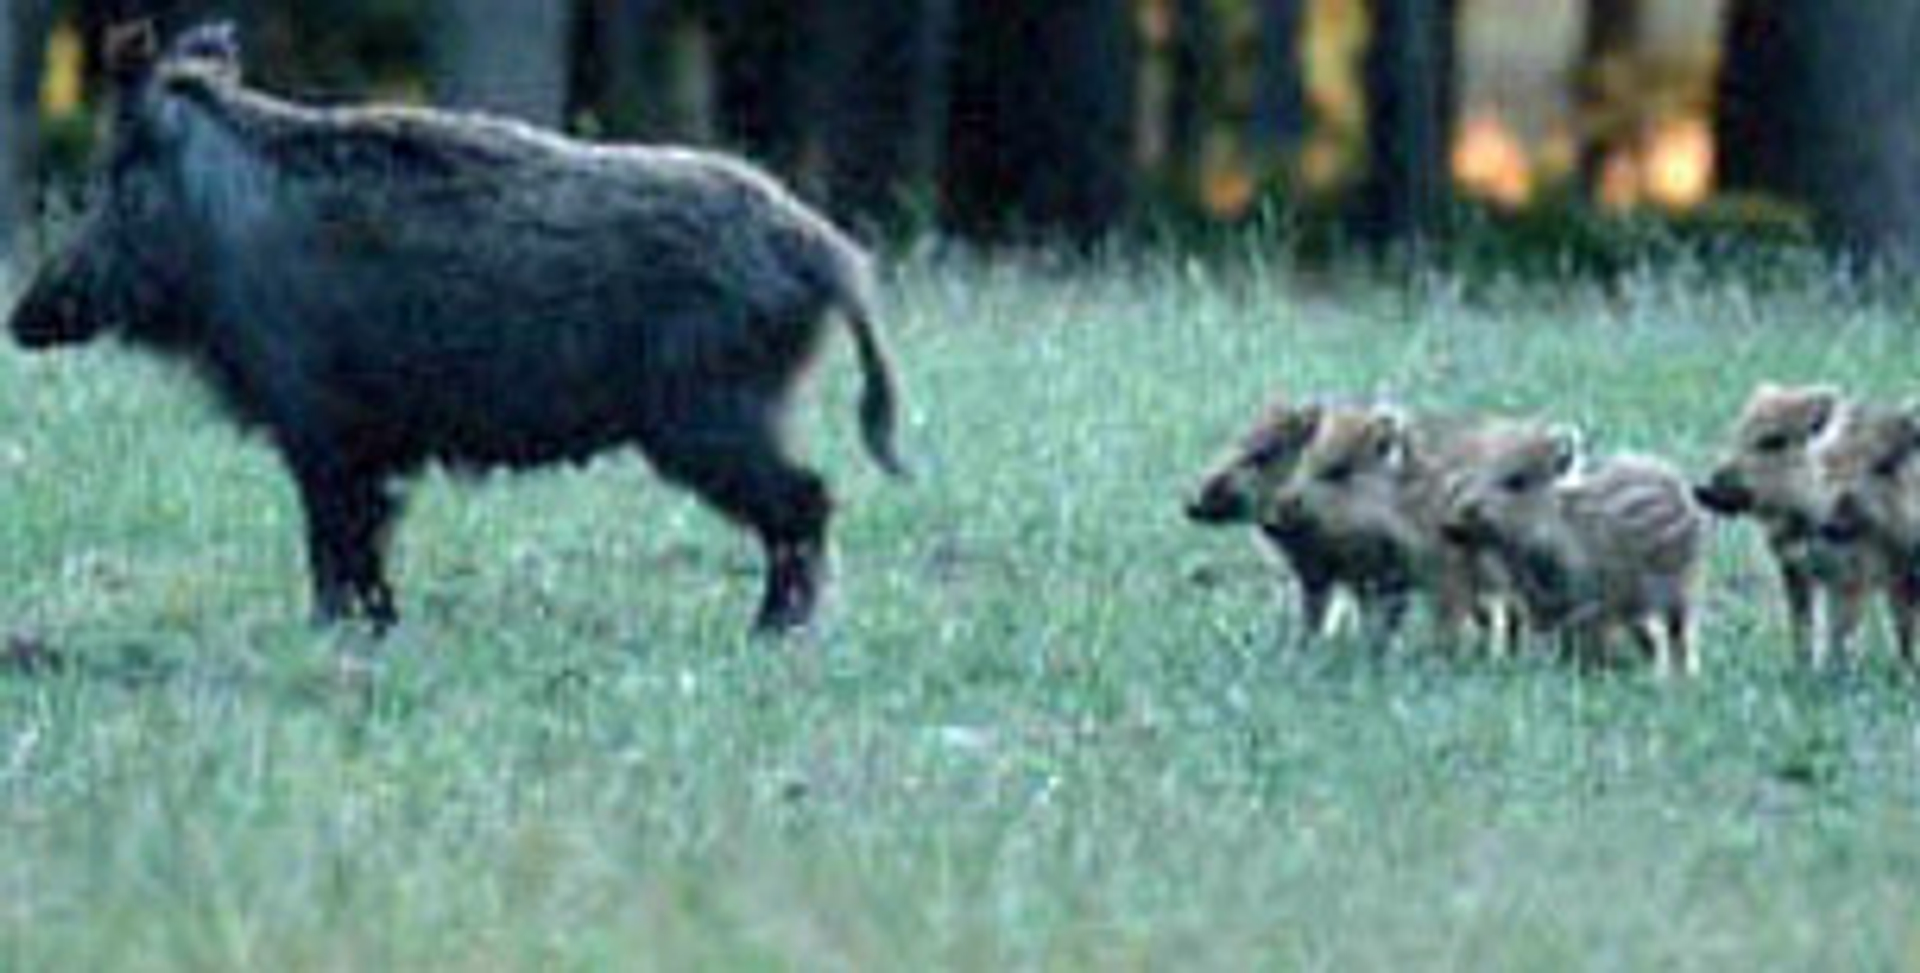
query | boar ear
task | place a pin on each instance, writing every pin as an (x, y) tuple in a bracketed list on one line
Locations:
[(1390, 434), (1823, 401), (1567, 446), (1910, 419), (215, 44), (1306, 419), (131, 47)]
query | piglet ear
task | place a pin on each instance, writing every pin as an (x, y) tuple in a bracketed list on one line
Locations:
[(1824, 401), (1567, 447), (132, 48), (1390, 434), (1306, 419)]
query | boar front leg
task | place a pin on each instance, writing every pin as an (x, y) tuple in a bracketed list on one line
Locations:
[(1846, 607), (1678, 620), (1316, 601), (1797, 583), (349, 518), (1459, 603)]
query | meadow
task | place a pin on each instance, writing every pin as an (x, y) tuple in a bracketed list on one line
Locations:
[(1046, 724)]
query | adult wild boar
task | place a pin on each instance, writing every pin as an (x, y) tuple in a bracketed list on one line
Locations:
[(382, 288)]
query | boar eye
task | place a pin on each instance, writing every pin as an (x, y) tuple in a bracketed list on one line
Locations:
[(1338, 473), (1773, 442), (1888, 467), (1517, 482)]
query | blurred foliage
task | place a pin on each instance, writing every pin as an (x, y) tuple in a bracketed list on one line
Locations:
[(1523, 209)]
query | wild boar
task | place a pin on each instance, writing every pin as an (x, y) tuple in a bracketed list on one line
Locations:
[(1370, 488), (1871, 474), (1241, 483), (1772, 475), (1589, 551), (380, 288)]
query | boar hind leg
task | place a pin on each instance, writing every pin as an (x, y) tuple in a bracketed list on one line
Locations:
[(1903, 604), (742, 471), (1384, 613), (349, 518)]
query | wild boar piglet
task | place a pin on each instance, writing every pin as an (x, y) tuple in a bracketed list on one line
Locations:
[(1590, 551), (1369, 488), (1771, 474), (1871, 470), (1242, 483)]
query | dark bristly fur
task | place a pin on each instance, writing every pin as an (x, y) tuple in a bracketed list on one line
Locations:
[(379, 288)]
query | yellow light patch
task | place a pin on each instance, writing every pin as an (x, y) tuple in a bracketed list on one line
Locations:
[(63, 87)]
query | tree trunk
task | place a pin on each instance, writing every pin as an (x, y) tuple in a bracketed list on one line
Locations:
[(888, 92), (1818, 105), (1040, 130), (23, 31), (1610, 38), (625, 69), (765, 79), (1410, 113), (1756, 76), (1197, 56), (1278, 124), (503, 56)]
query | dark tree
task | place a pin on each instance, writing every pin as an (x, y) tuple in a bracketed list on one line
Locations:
[(1040, 130), (337, 51), (1755, 78), (624, 71), (1818, 105), (1197, 57), (23, 26), (1278, 124), (886, 86), (1410, 113), (766, 78), (503, 56), (1610, 37)]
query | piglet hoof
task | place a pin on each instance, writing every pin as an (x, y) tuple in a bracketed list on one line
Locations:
[(30, 655), (796, 577)]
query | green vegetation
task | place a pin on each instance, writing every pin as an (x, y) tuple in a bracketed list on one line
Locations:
[(1048, 724)]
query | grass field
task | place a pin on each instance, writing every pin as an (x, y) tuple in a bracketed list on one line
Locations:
[(1048, 724)]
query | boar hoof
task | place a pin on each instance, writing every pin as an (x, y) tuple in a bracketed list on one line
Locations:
[(796, 574)]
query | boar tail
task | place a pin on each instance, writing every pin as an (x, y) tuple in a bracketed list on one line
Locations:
[(879, 395)]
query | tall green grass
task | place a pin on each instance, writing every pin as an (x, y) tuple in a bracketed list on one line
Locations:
[(1048, 724)]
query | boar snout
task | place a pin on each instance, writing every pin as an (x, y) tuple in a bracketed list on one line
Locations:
[(1218, 502), (1724, 494), (1465, 524), (1848, 521), (45, 320)]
